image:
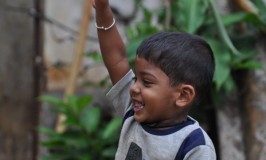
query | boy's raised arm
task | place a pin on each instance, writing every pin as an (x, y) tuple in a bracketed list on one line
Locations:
[(111, 44)]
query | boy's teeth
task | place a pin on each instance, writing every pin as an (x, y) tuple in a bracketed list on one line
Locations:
[(139, 105)]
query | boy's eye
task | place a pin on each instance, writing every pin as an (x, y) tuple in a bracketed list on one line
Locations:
[(146, 82)]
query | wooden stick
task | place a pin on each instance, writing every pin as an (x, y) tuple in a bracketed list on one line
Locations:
[(75, 67), (247, 6)]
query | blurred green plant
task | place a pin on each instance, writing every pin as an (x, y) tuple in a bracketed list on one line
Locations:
[(234, 49), (87, 137)]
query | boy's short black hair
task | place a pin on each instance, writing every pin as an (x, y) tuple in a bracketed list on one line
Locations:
[(184, 58)]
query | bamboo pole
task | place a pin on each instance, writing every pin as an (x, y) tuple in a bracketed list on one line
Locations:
[(77, 60)]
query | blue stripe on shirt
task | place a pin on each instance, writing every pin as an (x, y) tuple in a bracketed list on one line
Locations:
[(128, 114), (194, 139)]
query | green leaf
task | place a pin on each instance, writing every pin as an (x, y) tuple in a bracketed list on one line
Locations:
[(251, 64), (132, 49), (244, 56), (55, 156), (229, 19), (147, 15), (72, 120), (83, 102), (76, 103), (222, 30), (196, 14), (48, 131), (109, 152), (72, 101), (222, 72), (60, 110), (53, 143), (222, 62), (189, 15), (229, 84), (84, 156), (112, 128), (146, 29), (90, 119), (131, 34), (77, 141), (53, 100), (94, 56), (233, 18)]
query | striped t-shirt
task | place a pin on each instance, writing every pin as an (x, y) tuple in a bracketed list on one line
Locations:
[(185, 141)]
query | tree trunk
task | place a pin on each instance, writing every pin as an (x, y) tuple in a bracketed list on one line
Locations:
[(230, 129), (254, 109), (242, 119), (19, 80)]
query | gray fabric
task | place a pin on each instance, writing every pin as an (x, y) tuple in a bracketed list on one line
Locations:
[(151, 146), (204, 152)]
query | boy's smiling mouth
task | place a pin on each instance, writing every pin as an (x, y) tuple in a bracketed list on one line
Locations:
[(137, 106)]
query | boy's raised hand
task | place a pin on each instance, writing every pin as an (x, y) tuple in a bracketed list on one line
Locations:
[(111, 44)]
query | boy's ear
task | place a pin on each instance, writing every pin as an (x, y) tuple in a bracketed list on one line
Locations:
[(186, 95)]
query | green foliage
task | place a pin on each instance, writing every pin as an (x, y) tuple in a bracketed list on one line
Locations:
[(233, 51), (139, 32), (87, 136), (94, 56), (192, 14)]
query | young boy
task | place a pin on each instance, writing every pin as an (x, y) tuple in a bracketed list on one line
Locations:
[(172, 73)]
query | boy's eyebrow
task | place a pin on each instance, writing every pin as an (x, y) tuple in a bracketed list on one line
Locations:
[(144, 73)]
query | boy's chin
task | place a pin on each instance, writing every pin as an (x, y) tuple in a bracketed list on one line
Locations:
[(141, 119), (138, 118)]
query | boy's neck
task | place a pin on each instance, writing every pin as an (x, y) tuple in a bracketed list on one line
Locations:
[(166, 125)]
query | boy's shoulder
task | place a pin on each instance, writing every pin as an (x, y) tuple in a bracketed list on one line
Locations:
[(196, 139), (195, 134)]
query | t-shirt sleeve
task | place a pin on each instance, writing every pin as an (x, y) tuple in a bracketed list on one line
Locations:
[(119, 94), (202, 152), (196, 146)]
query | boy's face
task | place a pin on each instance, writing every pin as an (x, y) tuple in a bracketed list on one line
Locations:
[(154, 100)]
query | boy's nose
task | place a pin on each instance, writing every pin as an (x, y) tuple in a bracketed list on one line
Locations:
[(134, 89)]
